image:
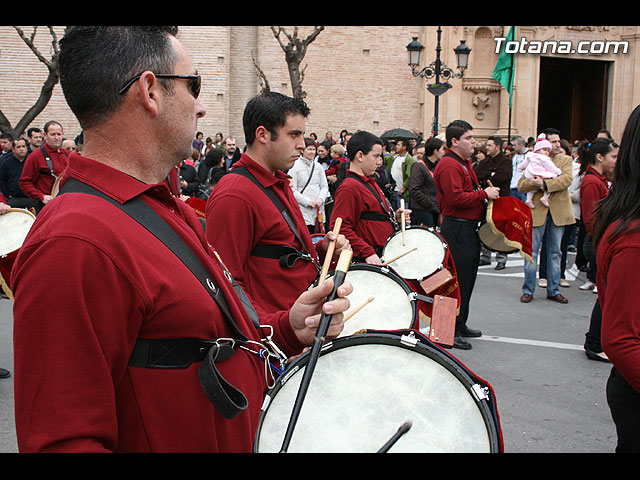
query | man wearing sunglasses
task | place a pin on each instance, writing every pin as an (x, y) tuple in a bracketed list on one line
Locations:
[(119, 340)]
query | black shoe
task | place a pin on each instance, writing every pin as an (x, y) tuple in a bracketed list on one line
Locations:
[(500, 266), (461, 343), (469, 332), (483, 263), (4, 373), (600, 357)]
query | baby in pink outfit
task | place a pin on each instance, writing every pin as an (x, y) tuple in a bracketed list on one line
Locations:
[(538, 164)]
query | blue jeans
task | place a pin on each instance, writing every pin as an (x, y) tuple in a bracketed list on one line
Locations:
[(518, 194), (554, 255)]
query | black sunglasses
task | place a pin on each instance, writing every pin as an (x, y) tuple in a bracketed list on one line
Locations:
[(195, 82)]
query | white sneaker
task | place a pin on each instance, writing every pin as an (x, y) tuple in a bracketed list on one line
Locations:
[(595, 290), (542, 282), (574, 270), (587, 286)]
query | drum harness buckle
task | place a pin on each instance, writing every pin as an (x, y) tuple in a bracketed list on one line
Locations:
[(274, 359)]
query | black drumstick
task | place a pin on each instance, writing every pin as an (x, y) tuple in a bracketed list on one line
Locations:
[(323, 326), (404, 428)]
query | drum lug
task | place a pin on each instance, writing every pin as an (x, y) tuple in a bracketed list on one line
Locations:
[(480, 392), (409, 339)]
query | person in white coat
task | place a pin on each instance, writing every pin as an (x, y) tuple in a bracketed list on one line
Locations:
[(309, 185)]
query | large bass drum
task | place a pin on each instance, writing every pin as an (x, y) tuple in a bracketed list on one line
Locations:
[(364, 387)]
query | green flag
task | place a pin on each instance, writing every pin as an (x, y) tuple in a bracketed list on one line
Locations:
[(505, 69)]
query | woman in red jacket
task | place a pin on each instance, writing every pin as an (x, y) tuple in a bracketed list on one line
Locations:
[(598, 160), (616, 235)]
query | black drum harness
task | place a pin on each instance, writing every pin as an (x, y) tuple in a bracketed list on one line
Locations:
[(180, 353), (285, 254)]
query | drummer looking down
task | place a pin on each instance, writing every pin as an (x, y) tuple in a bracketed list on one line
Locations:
[(367, 218)]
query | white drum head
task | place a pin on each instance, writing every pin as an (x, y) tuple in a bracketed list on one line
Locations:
[(390, 309), (424, 261), (14, 227), (361, 394)]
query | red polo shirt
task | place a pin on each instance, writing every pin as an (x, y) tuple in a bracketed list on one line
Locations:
[(617, 280), (455, 180), (351, 200), (240, 216), (88, 282), (36, 180), (593, 188)]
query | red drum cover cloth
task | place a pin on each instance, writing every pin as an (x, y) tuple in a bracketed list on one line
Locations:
[(511, 220)]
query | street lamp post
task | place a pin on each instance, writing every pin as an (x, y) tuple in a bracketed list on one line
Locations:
[(437, 70)]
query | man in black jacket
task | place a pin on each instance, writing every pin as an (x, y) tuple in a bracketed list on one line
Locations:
[(497, 169)]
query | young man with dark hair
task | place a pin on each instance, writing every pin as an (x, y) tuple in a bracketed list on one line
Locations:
[(272, 261), (368, 219), (114, 336), (461, 204)]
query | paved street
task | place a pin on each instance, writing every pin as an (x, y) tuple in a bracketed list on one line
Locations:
[(551, 398)]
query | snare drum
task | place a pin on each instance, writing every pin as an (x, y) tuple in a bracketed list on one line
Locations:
[(14, 226), (428, 257), (366, 386), (392, 308)]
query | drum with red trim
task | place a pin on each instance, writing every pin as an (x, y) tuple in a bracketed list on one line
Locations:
[(364, 387)]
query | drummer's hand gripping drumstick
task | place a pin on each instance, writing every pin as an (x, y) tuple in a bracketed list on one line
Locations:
[(329, 255), (323, 326)]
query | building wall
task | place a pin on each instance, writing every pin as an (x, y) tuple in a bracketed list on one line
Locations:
[(356, 77)]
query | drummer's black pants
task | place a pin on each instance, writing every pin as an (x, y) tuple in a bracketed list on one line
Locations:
[(464, 245), (624, 403)]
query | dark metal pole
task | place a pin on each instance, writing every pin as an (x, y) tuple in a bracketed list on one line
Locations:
[(436, 126)]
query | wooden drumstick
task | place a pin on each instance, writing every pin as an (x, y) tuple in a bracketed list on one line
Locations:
[(323, 326), (329, 255), (403, 222), (400, 256), (353, 312)]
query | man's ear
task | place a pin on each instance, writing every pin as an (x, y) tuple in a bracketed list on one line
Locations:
[(263, 135), (148, 90)]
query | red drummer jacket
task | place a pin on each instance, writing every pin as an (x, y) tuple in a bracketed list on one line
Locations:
[(241, 217), (36, 180), (617, 279), (593, 188), (88, 282), (352, 199), (457, 193)]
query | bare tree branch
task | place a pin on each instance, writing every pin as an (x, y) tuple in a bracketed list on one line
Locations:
[(294, 51)]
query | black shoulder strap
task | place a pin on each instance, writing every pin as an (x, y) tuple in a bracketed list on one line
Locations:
[(179, 353), (281, 208), (48, 159), (383, 204), (137, 209)]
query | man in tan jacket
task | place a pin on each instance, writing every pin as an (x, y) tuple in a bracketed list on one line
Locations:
[(553, 218)]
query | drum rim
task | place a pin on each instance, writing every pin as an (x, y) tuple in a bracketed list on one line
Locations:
[(18, 210), (394, 338), (391, 273), (432, 230), (414, 227)]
